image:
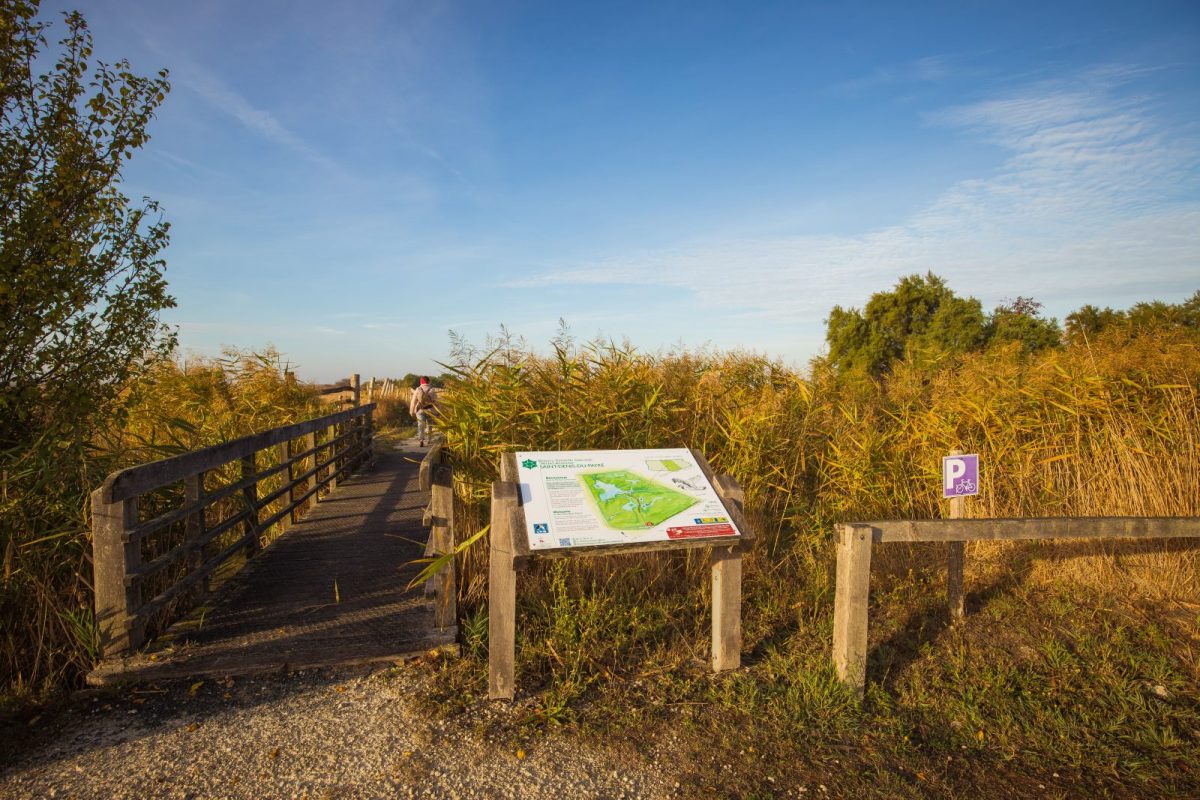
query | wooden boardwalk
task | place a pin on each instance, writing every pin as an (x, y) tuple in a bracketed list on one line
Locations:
[(329, 592)]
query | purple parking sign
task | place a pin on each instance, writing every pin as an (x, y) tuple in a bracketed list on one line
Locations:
[(960, 476)]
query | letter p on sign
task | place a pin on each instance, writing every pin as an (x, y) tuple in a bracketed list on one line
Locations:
[(960, 476)]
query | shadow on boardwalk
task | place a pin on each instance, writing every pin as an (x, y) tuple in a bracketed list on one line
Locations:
[(329, 592)]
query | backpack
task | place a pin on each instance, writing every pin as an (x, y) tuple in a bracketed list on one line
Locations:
[(427, 400)]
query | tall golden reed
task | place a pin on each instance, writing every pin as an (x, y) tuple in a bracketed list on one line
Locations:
[(1107, 428)]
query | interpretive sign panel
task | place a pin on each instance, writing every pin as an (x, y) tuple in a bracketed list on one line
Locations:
[(583, 498), (960, 476)]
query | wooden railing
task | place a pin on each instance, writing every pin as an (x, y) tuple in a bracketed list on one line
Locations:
[(854, 541), (303, 459), (437, 478)]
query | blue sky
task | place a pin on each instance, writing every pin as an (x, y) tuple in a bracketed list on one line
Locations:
[(349, 182)]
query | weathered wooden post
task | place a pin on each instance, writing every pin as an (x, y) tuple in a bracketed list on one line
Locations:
[(369, 434), (283, 452), (850, 604), (250, 497), (727, 588), (331, 452), (726, 608), (193, 493), (955, 562), (355, 389), (314, 480), (114, 556), (502, 593), (442, 537)]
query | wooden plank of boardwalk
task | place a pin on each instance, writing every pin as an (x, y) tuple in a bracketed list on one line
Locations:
[(329, 592)]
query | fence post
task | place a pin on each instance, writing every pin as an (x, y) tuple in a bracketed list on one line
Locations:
[(955, 561), (194, 527), (294, 516), (250, 497), (284, 453), (369, 444), (502, 594), (442, 535), (850, 605), (113, 559), (334, 459), (356, 389), (314, 480)]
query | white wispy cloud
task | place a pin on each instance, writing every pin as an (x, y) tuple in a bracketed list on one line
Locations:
[(216, 93), (1085, 207), (258, 121)]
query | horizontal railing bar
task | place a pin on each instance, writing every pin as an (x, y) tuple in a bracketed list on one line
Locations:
[(174, 554), (304, 476), (263, 502), (202, 572), (281, 513), (350, 454), (301, 456), (145, 478), (159, 522), (336, 389), (966, 530), (150, 526), (323, 483), (307, 494)]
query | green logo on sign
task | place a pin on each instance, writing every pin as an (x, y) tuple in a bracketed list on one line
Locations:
[(529, 463)]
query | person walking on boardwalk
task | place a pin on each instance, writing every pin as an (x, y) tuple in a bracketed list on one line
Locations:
[(421, 406)]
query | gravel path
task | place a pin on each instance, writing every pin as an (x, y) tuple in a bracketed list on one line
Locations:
[(307, 734)]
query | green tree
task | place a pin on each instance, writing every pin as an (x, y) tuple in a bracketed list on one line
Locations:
[(1089, 322), (82, 284), (1021, 321), (81, 290), (921, 314)]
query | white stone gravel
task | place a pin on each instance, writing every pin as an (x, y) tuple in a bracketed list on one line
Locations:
[(314, 735)]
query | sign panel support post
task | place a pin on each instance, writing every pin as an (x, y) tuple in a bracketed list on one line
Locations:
[(502, 593), (956, 559), (727, 589)]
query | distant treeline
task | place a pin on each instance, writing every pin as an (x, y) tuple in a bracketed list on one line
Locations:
[(921, 315)]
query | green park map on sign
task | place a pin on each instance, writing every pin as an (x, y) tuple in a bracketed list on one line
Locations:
[(629, 502)]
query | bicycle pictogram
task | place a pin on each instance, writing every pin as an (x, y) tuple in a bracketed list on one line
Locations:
[(965, 487)]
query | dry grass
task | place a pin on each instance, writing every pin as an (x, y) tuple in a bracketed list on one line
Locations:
[(1110, 429)]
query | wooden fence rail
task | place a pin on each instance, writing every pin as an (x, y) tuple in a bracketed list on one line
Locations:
[(308, 457), (854, 541)]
